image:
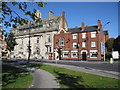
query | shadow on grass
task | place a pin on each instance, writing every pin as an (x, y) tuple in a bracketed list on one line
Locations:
[(71, 81), (10, 74)]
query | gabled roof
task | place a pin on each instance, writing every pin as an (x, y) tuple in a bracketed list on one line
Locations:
[(87, 28)]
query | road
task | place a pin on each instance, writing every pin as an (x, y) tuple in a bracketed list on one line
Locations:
[(87, 64)]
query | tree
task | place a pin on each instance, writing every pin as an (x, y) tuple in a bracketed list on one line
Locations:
[(109, 44), (116, 44), (11, 18), (10, 40)]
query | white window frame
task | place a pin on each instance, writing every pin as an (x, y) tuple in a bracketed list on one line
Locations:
[(74, 45), (62, 40), (74, 52), (83, 44), (83, 35), (74, 36), (48, 39), (93, 51), (93, 34), (93, 43), (65, 52)]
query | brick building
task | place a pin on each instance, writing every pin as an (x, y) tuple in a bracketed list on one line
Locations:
[(81, 43)]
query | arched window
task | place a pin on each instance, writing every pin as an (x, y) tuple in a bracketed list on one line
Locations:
[(37, 49), (62, 41)]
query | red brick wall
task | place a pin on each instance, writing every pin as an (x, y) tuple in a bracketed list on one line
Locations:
[(69, 44)]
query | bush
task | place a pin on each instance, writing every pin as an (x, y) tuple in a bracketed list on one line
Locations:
[(108, 55)]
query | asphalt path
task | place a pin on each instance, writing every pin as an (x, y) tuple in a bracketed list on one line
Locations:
[(42, 79)]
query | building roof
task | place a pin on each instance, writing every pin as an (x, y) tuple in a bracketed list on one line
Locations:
[(55, 19), (87, 28), (105, 32), (47, 25)]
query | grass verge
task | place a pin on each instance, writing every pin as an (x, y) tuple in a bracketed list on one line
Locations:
[(15, 78), (74, 79)]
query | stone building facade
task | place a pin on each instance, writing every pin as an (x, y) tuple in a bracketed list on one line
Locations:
[(3, 45), (41, 36), (81, 43)]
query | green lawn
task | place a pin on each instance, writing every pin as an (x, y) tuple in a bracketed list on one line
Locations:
[(74, 79), (15, 78)]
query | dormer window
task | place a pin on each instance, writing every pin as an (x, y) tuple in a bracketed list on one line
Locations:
[(48, 25)]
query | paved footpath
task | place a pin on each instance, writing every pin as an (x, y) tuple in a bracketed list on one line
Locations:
[(42, 79), (89, 70)]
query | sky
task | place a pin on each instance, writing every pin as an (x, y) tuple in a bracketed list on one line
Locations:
[(87, 12)]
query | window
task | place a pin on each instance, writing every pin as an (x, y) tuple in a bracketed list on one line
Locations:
[(93, 53), (74, 36), (74, 45), (93, 44), (37, 49), (62, 41), (83, 44), (37, 39), (74, 54), (83, 35), (93, 34), (48, 25), (48, 38), (22, 41), (65, 54), (50, 49)]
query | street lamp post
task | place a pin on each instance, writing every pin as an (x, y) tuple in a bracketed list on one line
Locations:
[(104, 41), (29, 47)]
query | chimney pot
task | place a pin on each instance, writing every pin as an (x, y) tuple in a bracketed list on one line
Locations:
[(99, 24), (83, 26), (50, 14)]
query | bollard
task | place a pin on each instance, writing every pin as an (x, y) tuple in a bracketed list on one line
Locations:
[(111, 60)]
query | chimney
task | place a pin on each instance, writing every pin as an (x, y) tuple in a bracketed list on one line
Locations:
[(63, 19), (83, 26), (99, 24), (50, 14), (38, 14)]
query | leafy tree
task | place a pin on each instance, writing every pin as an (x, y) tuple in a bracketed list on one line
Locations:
[(10, 40), (116, 45), (11, 18), (109, 44)]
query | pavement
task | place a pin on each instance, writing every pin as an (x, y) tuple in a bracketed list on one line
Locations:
[(111, 74), (42, 79)]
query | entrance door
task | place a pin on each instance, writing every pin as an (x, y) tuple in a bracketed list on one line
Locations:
[(84, 56)]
